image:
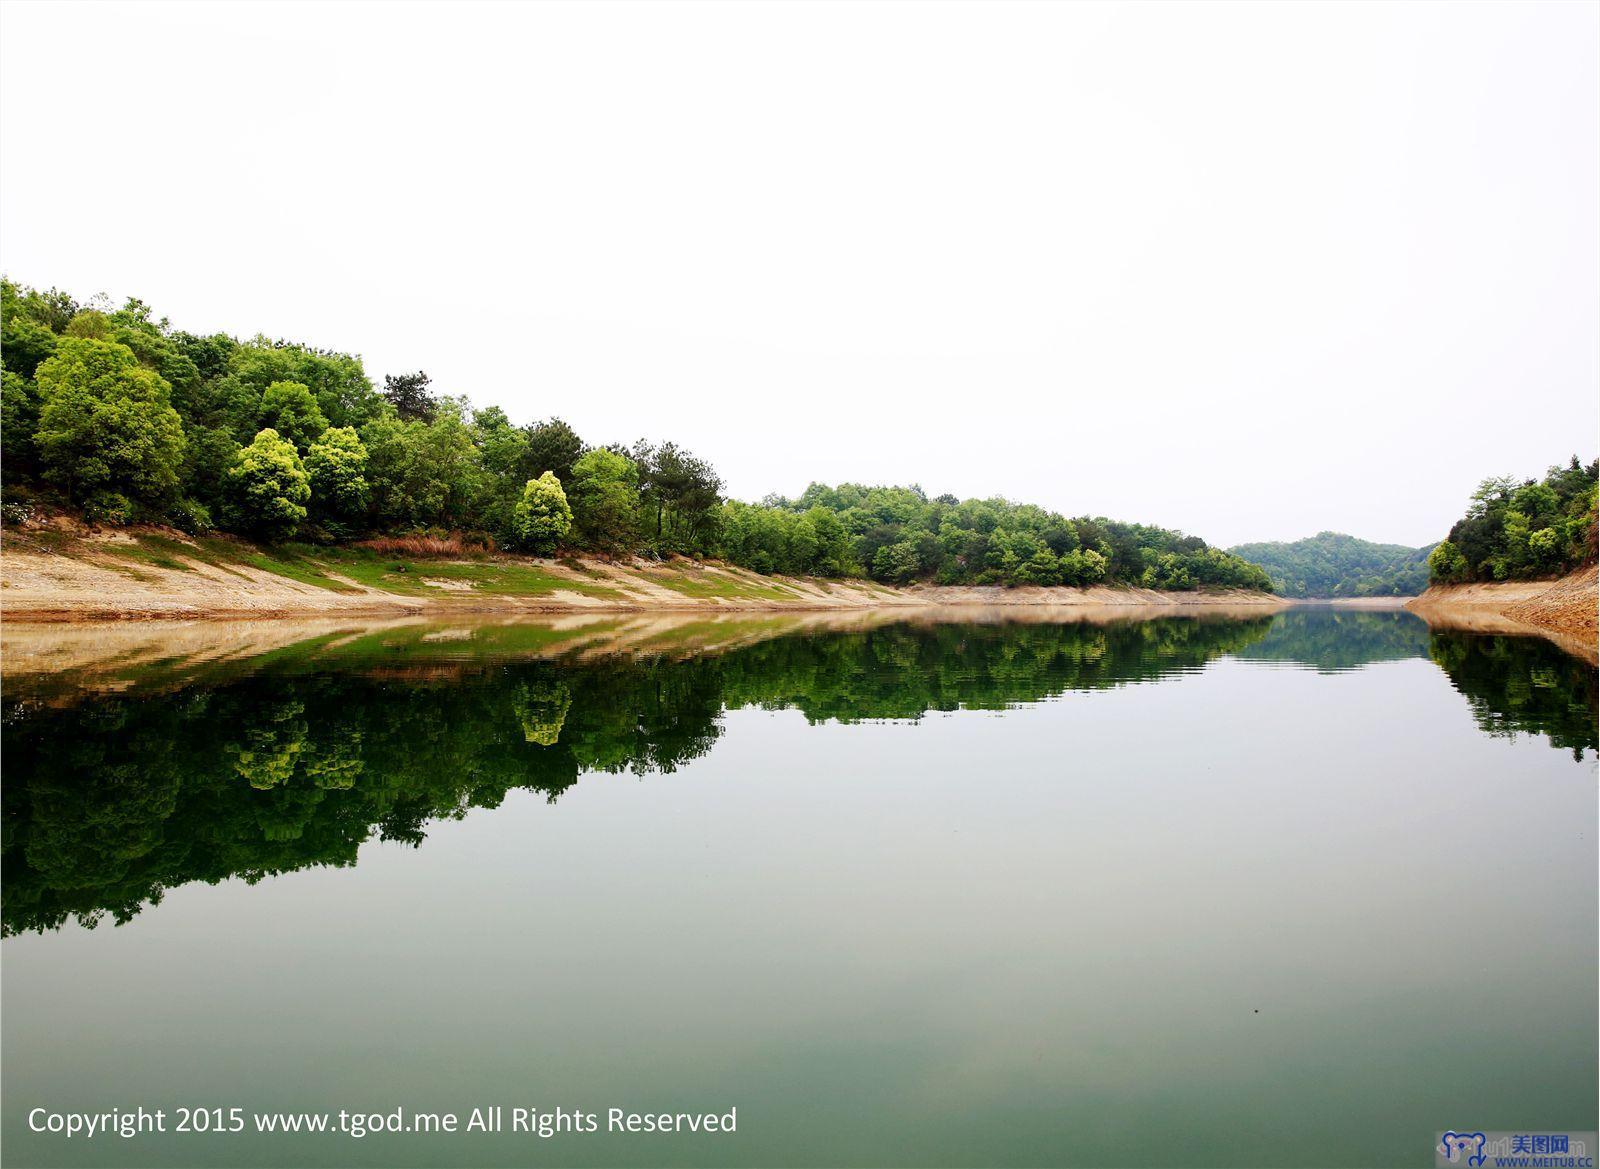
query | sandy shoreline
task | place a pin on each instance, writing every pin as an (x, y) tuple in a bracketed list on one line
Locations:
[(113, 577), (1562, 610)]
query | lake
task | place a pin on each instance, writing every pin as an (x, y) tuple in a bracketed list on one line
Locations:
[(1231, 890)]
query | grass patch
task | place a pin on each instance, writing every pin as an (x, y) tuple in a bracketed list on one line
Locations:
[(708, 585), (408, 575), (288, 561)]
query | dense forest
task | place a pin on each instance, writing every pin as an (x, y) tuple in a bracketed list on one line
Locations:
[(114, 413), (297, 758), (1521, 530), (1331, 564)]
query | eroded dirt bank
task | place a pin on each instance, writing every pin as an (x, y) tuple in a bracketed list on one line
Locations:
[(1563, 610), (155, 574)]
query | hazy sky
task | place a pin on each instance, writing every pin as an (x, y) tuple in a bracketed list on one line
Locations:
[(1250, 271)]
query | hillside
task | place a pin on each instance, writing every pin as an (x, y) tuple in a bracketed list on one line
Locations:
[(1332, 564)]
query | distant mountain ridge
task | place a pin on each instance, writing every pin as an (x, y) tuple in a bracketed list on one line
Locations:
[(1332, 564)]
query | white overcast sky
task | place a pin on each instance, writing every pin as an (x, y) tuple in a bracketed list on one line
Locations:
[(1250, 271)]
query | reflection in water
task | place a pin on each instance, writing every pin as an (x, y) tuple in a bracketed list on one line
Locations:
[(298, 757), (1522, 685), (1330, 640)]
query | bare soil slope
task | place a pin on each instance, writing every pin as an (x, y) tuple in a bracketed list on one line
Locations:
[(62, 572), (1563, 610)]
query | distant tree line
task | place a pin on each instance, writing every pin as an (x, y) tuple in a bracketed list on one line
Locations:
[(1520, 530), (1331, 564), (113, 412)]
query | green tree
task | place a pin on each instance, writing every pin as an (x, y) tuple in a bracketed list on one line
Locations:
[(336, 465), (19, 425), (106, 424), (421, 474), (1446, 563), (290, 409), (24, 343), (552, 446), (270, 487), (896, 562), (208, 454), (604, 494), (408, 394), (542, 517)]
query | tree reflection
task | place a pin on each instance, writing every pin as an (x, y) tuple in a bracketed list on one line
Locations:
[(113, 800), (1522, 685)]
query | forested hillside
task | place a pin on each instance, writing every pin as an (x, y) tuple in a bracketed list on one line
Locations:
[(113, 413), (1331, 564), (1519, 531)]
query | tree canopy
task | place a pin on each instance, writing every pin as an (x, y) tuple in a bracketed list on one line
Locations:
[(1520, 530), (114, 411)]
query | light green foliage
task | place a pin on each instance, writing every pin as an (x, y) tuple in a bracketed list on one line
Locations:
[(1446, 564), (289, 408), (1331, 564), (337, 381), (604, 494), (771, 539), (896, 562), (30, 323), (337, 464), (1168, 572), (1513, 531), (542, 518), (90, 324), (270, 487), (106, 424)]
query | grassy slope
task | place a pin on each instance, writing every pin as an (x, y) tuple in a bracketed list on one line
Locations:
[(151, 557)]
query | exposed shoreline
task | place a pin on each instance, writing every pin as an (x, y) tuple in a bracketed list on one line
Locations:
[(1562, 610), (117, 576)]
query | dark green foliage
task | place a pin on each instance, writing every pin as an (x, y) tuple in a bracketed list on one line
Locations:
[(897, 534), (1523, 685), (408, 394), (1519, 531), (551, 446), (1331, 564), (19, 425), (679, 497)]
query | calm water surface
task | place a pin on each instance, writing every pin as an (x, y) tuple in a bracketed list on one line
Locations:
[(1292, 890)]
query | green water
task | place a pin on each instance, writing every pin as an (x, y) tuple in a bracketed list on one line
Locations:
[(1292, 890)]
